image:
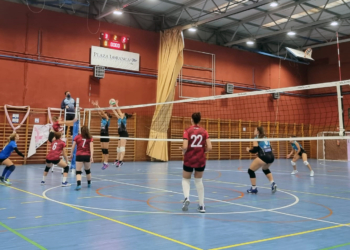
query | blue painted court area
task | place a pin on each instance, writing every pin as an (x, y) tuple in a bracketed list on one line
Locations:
[(139, 207)]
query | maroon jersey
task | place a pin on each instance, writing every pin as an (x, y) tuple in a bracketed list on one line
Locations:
[(195, 154), (83, 145), (57, 147), (56, 127)]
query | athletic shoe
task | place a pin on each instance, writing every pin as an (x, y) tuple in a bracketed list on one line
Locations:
[(89, 185), (2, 179), (7, 182), (116, 163), (294, 172), (201, 209), (312, 173), (273, 187), (42, 183), (105, 165), (252, 191), (121, 164), (185, 205), (78, 187), (65, 184)]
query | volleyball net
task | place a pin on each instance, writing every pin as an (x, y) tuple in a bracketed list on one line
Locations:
[(301, 111)]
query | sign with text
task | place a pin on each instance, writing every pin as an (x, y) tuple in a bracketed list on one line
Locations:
[(115, 58)]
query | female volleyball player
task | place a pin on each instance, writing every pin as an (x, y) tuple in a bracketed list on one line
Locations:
[(84, 155), (4, 157), (105, 121), (53, 158), (195, 144), (265, 159), (122, 118), (56, 126), (299, 151)]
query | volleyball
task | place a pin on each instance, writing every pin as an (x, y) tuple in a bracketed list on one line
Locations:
[(112, 102)]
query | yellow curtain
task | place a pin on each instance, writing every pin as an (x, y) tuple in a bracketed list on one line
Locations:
[(169, 65)]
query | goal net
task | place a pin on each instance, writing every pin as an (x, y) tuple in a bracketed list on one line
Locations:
[(303, 111), (333, 149)]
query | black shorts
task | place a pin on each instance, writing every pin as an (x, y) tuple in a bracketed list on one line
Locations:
[(1, 160), (268, 158), (104, 139), (55, 162), (302, 151), (123, 133), (82, 158), (190, 169)]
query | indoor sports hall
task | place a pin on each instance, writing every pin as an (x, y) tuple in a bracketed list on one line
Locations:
[(174, 124)]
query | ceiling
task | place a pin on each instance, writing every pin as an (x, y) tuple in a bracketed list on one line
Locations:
[(223, 22)]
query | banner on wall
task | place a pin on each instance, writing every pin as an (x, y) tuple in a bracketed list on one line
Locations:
[(114, 58), (40, 135)]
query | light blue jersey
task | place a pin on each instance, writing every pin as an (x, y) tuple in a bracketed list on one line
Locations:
[(265, 146), (122, 124), (294, 146)]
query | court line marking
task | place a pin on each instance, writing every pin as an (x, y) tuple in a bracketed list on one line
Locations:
[(110, 219), (280, 190), (279, 237), (333, 247), (261, 209), (22, 236), (26, 202), (149, 212)]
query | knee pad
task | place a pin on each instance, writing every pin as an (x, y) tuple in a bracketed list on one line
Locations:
[(266, 171), (88, 171), (293, 163), (66, 169), (118, 150), (47, 169), (12, 168), (78, 172), (106, 151), (122, 149), (306, 163), (251, 173)]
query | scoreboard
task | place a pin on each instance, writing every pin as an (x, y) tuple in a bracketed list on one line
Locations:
[(114, 41)]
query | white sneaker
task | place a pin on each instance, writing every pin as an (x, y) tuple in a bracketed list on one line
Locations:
[(312, 173), (185, 205), (294, 172)]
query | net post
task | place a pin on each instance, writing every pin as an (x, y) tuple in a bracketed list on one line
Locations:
[(340, 110), (89, 119)]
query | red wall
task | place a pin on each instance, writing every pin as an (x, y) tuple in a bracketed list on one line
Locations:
[(66, 38)]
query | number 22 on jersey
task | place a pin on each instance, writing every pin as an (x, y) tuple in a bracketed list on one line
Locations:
[(197, 141)]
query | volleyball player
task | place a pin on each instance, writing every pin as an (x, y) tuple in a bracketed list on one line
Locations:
[(195, 144), (4, 157), (299, 151), (105, 121), (56, 126), (265, 159), (123, 133), (84, 155), (53, 158)]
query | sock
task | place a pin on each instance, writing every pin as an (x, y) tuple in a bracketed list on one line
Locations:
[(200, 190), (79, 183), (64, 179), (89, 181), (44, 177), (5, 170), (186, 184), (272, 181), (253, 187)]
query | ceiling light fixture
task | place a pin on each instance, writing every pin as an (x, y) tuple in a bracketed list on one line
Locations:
[(334, 23), (250, 42), (118, 12), (192, 29), (274, 4), (291, 33)]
